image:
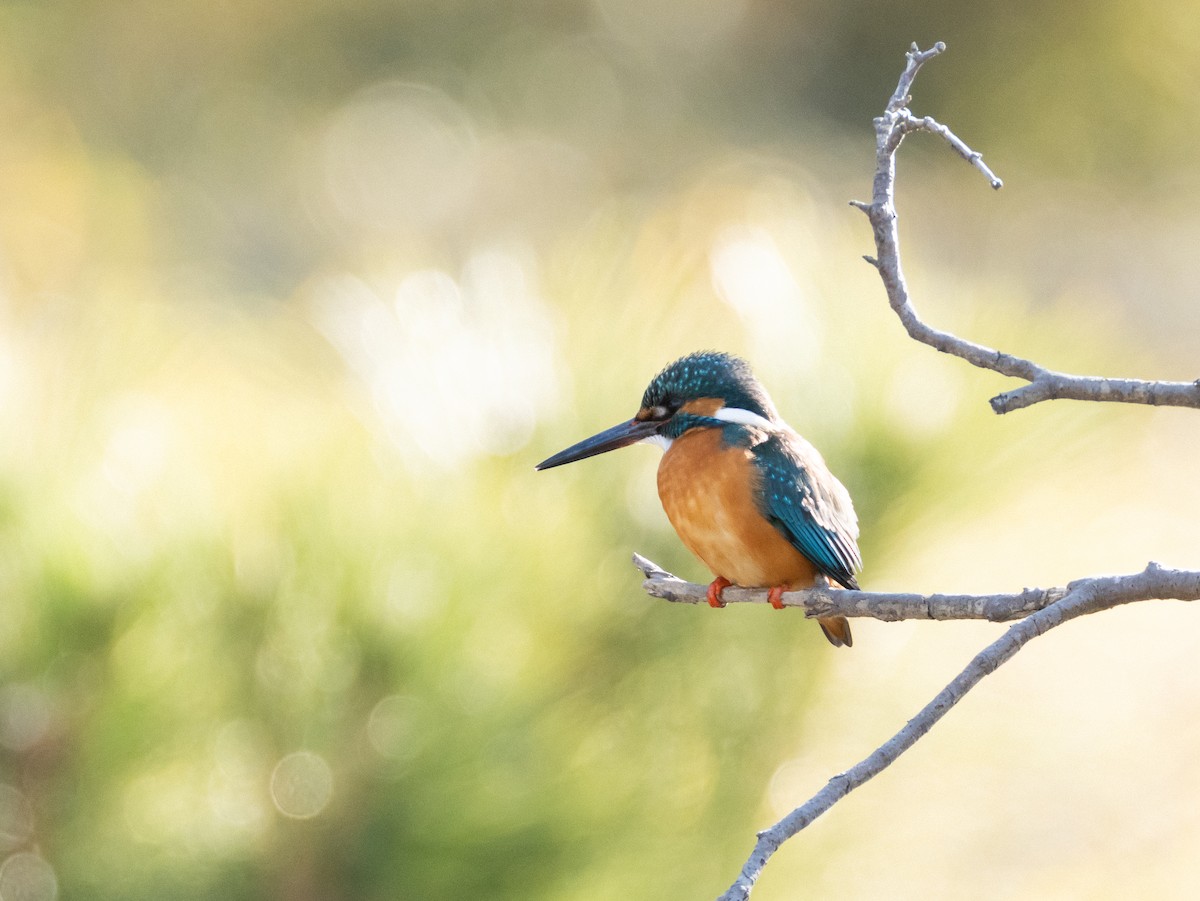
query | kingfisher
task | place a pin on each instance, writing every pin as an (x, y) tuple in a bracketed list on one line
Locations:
[(746, 494)]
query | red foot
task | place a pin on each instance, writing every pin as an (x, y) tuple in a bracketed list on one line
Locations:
[(775, 596), (719, 584)]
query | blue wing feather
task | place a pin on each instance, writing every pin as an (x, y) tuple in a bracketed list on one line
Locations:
[(808, 505)]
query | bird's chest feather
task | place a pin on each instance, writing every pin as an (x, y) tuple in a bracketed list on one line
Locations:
[(708, 489)]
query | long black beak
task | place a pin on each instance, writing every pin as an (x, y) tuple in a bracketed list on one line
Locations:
[(610, 439)]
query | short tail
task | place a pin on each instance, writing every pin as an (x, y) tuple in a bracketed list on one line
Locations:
[(837, 630)]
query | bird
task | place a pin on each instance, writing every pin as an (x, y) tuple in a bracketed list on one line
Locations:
[(747, 495)]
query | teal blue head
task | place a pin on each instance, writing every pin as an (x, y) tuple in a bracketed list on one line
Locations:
[(702, 389)]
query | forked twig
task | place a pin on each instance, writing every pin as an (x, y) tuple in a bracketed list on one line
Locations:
[(891, 128)]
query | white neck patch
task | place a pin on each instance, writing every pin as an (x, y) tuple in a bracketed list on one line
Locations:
[(742, 417), (725, 414)]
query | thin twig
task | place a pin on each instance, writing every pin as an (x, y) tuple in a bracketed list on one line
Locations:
[(1082, 597), (891, 128), (928, 123)]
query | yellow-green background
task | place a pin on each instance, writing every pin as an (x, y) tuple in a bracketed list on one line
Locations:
[(293, 295)]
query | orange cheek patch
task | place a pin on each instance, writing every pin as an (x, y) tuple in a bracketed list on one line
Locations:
[(703, 406)]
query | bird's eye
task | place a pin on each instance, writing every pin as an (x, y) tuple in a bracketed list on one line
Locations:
[(660, 412)]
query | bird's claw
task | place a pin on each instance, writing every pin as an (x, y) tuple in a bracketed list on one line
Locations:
[(719, 584)]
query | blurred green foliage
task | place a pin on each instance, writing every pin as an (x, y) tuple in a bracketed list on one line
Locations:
[(295, 294)]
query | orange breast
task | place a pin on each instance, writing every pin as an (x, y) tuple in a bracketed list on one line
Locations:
[(707, 489)]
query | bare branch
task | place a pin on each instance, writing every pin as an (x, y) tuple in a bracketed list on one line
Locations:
[(885, 606), (1082, 597), (1038, 609), (891, 128), (1058, 386)]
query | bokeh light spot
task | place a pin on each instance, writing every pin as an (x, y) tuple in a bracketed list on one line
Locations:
[(27, 877), (455, 368), (24, 716), (301, 785), (790, 785), (409, 596), (923, 395), (400, 154), (393, 727), (165, 805), (751, 275), (235, 785), (691, 25), (138, 445), (16, 818)]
